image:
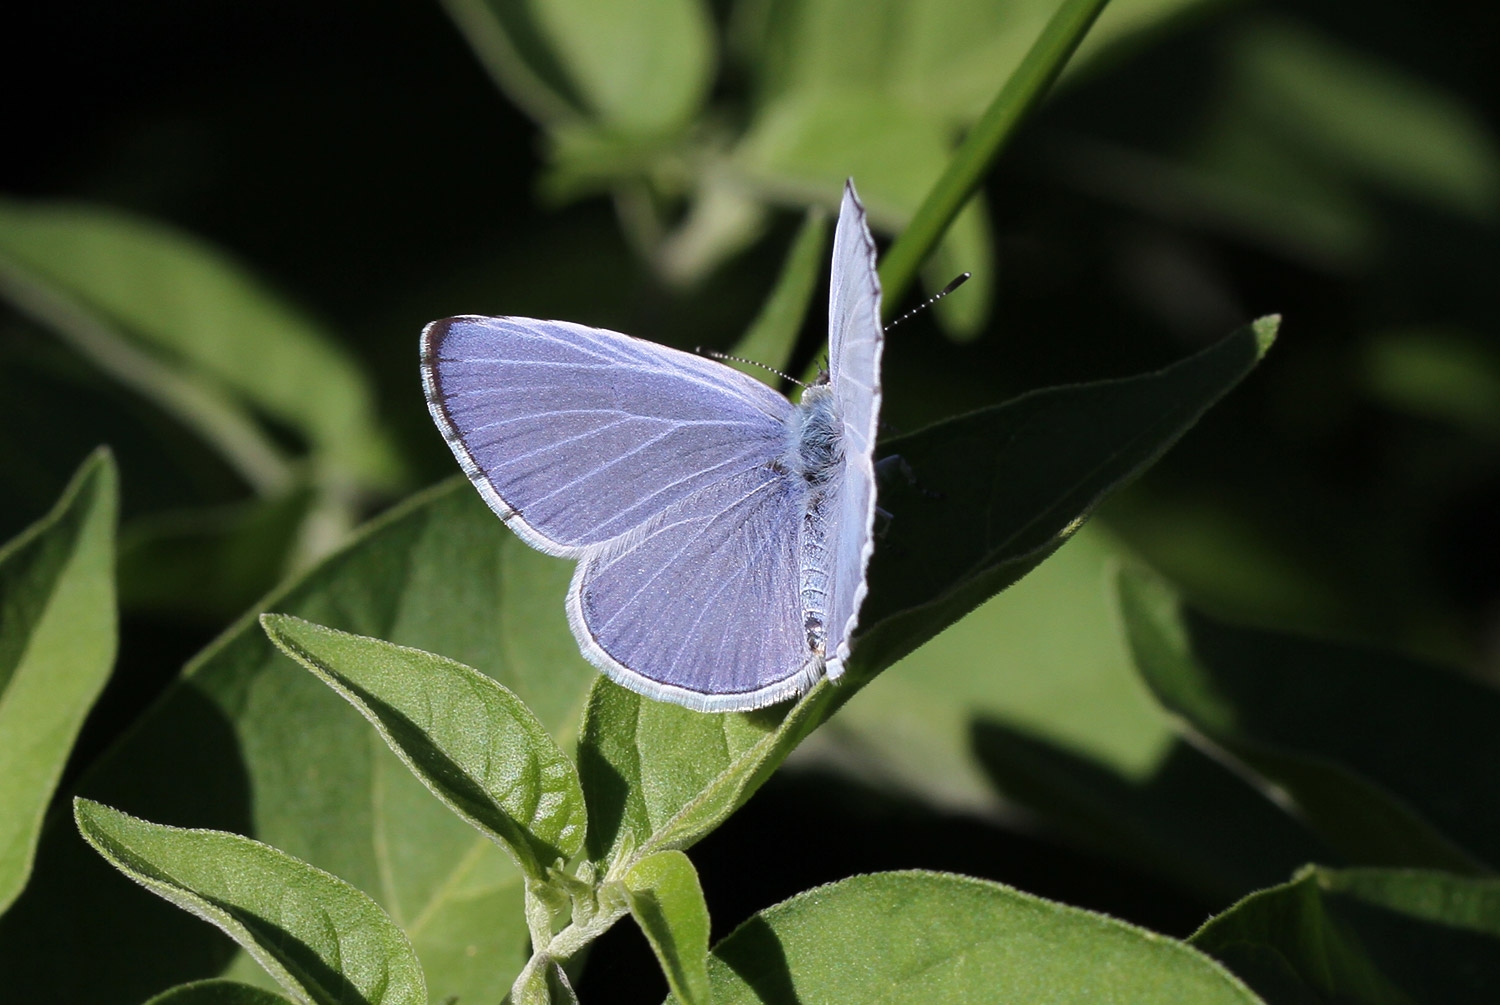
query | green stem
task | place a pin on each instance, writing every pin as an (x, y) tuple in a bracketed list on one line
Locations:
[(1022, 92)]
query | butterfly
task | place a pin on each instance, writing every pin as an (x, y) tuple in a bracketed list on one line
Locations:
[(722, 533)]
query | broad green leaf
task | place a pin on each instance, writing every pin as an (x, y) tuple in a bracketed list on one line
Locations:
[(1377, 752), (1016, 481), (643, 68), (247, 742), (658, 776), (470, 740), (1032, 699), (57, 644), (323, 941), (1364, 937), (666, 900), (504, 36), (926, 937), (183, 325), (639, 68), (932, 56), (210, 563), (772, 336), (217, 992)]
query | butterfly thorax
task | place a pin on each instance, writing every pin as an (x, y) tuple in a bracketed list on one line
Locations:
[(814, 461), (815, 446)]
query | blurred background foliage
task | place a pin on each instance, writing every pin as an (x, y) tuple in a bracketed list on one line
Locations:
[(221, 229)]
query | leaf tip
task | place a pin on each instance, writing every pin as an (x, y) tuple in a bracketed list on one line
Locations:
[(1266, 329), (280, 628)]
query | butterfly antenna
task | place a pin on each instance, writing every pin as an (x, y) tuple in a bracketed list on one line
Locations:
[(749, 362), (940, 294)]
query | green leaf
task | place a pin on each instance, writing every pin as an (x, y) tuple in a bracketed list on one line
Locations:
[(247, 742), (216, 992), (177, 321), (642, 68), (659, 776), (1436, 374), (639, 68), (1365, 937), (470, 740), (210, 563), (927, 56), (1376, 751), (321, 939), (1016, 481), (666, 900), (934, 937), (505, 38), (1032, 699), (58, 636)]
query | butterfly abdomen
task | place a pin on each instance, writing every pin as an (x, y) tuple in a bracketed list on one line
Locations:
[(814, 460)]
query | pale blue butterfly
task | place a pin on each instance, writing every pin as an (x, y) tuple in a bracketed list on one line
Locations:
[(722, 533)]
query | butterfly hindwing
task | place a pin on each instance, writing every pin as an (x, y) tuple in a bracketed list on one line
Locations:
[(701, 608)]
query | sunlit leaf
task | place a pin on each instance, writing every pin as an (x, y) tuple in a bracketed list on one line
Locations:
[(249, 743), (467, 738), (323, 941), (924, 937), (58, 636), (666, 900), (638, 68)]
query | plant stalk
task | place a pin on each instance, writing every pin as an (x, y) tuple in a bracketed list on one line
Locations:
[(1021, 93)]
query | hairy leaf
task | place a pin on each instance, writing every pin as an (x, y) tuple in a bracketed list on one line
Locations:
[(323, 941), (666, 900), (470, 740), (926, 937)]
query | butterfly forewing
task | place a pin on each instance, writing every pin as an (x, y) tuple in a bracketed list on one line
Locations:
[(576, 435), (855, 341)]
